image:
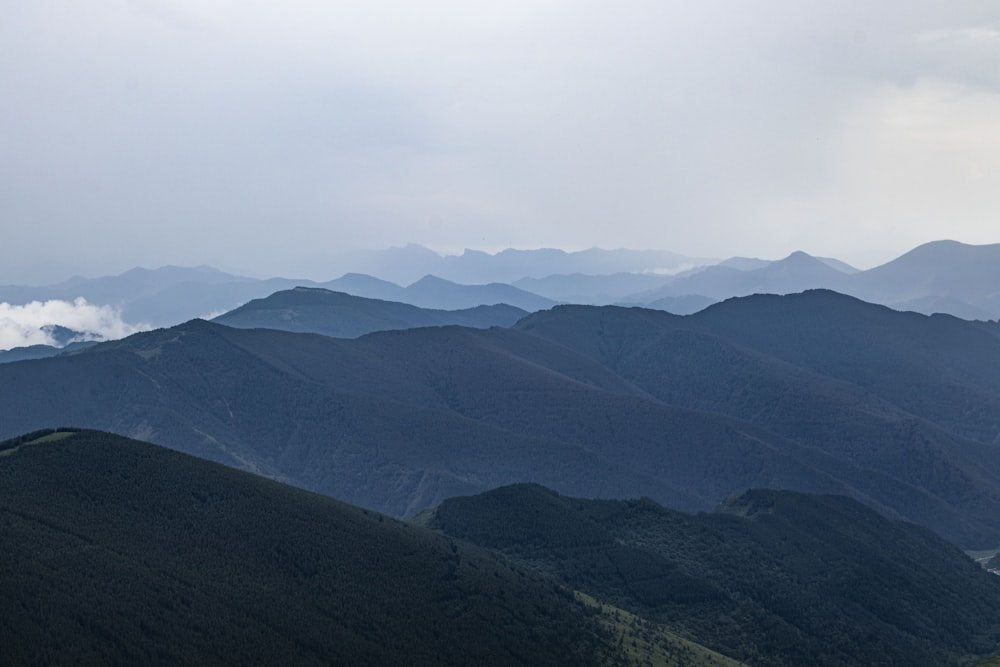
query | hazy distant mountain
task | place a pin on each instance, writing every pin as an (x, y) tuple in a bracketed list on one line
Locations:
[(835, 263), (769, 577), (360, 284), (186, 300), (401, 265), (437, 293), (169, 295), (409, 263), (928, 305), (130, 286), (595, 290), (63, 336), (752, 263), (743, 263), (158, 297), (815, 392), (681, 305), (119, 552), (434, 292), (940, 267), (943, 276), (795, 273), (511, 265), (969, 274), (40, 351), (314, 310)]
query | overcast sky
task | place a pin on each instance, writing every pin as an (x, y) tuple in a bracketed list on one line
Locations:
[(258, 136)]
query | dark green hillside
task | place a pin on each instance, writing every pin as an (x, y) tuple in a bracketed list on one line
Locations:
[(192, 389), (915, 469), (314, 310), (772, 578), (401, 420), (498, 378), (936, 367), (939, 367), (119, 552), (595, 402)]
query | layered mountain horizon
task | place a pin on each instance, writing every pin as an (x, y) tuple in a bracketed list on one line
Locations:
[(817, 391), (941, 276), (783, 476)]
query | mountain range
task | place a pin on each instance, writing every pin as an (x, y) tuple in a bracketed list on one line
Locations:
[(816, 392), (666, 475), (316, 310), (410, 263), (943, 276)]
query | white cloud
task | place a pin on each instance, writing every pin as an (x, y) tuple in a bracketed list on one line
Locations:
[(24, 324)]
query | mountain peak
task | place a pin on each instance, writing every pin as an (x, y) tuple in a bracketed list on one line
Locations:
[(799, 258), (430, 280)]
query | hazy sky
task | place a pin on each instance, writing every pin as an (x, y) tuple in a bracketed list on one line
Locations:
[(250, 134)]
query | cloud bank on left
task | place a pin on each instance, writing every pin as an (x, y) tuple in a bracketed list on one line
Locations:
[(35, 323)]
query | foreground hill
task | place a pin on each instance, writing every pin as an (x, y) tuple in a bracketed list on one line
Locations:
[(120, 552), (321, 311), (770, 577)]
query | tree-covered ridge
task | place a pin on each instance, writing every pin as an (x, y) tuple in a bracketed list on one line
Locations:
[(120, 552), (315, 310), (770, 577), (814, 392)]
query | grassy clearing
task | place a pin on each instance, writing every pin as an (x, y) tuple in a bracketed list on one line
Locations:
[(49, 437), (649, 644), (982, 557)]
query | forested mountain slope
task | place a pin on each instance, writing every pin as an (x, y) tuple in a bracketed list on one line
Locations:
[(769, 577), (116, 551), (598, 402), (314, 310)]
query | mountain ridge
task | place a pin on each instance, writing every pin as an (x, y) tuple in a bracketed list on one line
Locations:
[(323, 311), (118, 551), (769, 577), (682, 409)]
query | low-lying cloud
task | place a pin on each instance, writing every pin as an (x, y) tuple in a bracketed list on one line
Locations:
[(32, 323)]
